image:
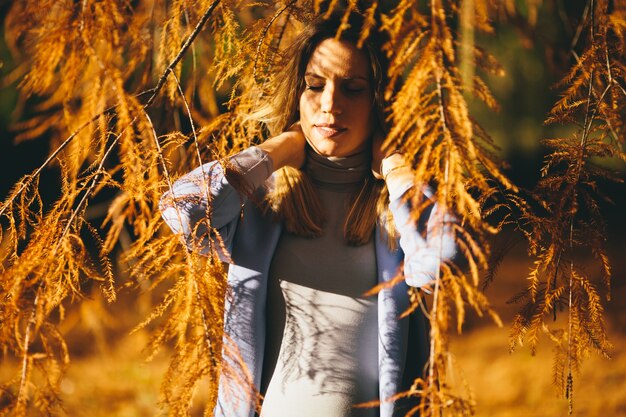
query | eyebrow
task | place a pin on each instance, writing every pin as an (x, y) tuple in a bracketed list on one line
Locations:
[(357, 77)]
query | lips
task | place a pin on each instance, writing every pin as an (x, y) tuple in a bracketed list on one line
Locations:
[(328, 130)]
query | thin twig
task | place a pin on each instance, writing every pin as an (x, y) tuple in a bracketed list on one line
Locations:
[(205, 188), (92, 185), (435, 324), (58, 150), (434, 332), (155, 90), (588, 121), (99, 170), (52, 156), (611, 81), (579, 29), (194, 61), (271, 60), (110, 148), (183, 49), (264, 34), (554, 282), (29, 328)]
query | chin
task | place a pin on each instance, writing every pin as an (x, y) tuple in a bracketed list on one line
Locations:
[(325, 152), (332, 151), (325, 147)]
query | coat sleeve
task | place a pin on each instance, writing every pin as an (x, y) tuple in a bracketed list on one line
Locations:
[(203, 202), (427, 241)]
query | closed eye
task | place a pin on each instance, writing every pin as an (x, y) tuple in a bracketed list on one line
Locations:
[(314, 87), (354, 90)]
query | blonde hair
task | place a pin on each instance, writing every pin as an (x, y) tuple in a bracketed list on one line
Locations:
[(293, 199)]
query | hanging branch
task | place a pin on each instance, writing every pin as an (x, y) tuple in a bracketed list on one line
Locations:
[(154, 91), (264, 34), (40, 310), (183, 49), (572, 218), (214, 347), (431, 126)]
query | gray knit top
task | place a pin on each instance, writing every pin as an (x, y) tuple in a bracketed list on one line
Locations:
[(321, 354)]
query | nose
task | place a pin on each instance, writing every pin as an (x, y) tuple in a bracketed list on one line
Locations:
[(330, 101)]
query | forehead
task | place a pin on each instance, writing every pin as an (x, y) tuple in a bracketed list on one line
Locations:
[(334, 58)]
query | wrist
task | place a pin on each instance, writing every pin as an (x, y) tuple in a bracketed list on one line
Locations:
[(392, 163), (286, 149)]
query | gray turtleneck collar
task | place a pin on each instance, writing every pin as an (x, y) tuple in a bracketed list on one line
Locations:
[(340, 173)]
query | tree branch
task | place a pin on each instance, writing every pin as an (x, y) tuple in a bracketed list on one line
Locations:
[(155, 91), (183, 49)]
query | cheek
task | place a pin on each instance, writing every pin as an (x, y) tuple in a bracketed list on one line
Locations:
[(363, 112), (307, 111)]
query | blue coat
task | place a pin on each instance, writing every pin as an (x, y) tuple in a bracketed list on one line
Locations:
[(250, 237)]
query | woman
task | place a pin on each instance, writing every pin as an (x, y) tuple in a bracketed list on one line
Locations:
[(302, 259)]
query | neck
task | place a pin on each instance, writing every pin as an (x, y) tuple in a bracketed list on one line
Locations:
[(337, 172)]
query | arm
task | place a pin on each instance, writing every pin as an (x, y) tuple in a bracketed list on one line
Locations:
[(203, 200), (426, 242)]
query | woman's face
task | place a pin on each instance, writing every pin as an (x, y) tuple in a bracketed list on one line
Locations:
[(337, 102)]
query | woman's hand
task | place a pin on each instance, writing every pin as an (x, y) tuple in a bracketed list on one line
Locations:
[(286, 149), (384, 163)]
